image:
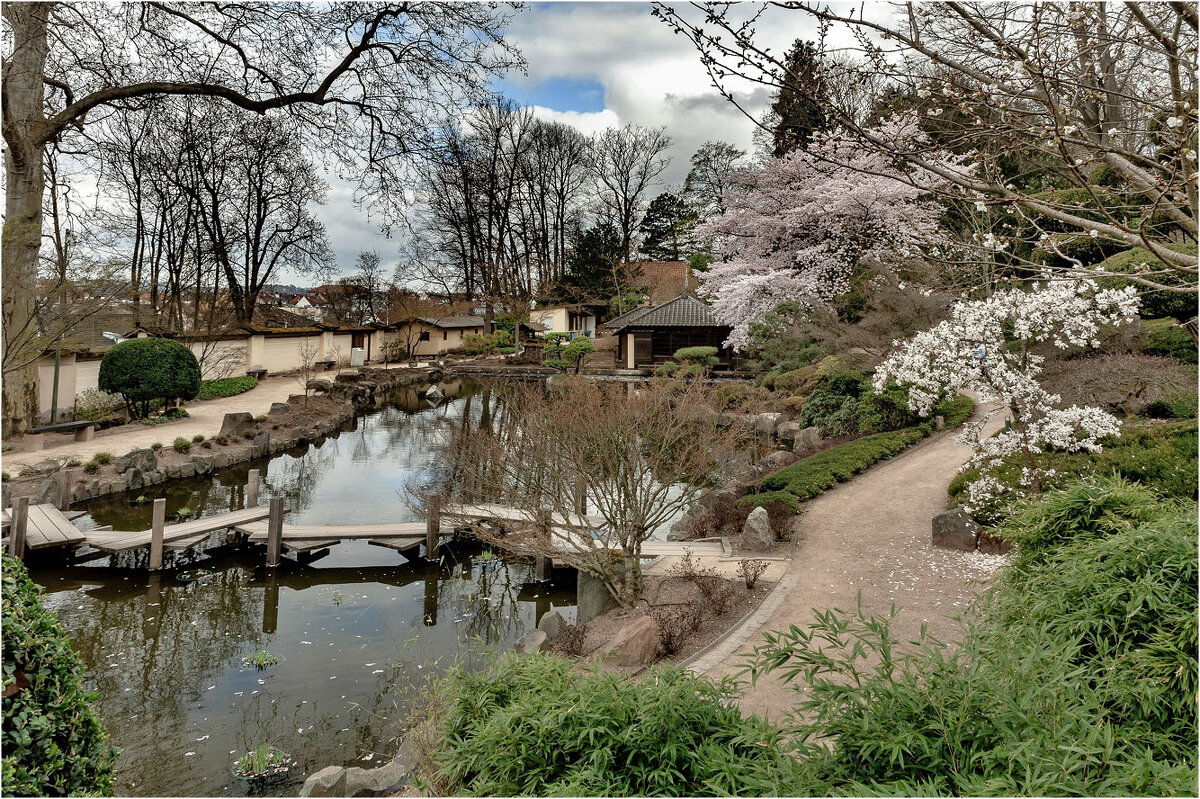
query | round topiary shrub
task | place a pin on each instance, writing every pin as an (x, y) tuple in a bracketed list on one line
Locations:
[(54, 744), (146, 369)]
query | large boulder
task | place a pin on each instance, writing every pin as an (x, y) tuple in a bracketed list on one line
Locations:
[(318, 384), (592, 598), (756, 533), (202, 464), (767, 422), (778, 459), (786, 431), (534, 640), (552, 624), (262, 443), (278, 408), (434, 394), (234, 424), (329, 781), (635, 645), (807, 440), (955, 529)]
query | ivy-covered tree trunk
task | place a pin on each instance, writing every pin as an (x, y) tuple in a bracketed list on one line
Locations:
[(24, 123)]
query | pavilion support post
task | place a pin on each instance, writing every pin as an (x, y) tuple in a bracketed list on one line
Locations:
[(20, 528), (252, 489), (157, 525), (433, 526), (275, 532)]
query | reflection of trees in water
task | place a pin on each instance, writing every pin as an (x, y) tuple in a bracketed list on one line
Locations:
[(296, 478)]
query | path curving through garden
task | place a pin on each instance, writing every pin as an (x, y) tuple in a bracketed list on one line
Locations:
[(870, 536)]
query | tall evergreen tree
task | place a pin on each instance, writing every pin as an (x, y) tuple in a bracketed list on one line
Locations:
[(798, 108), (667, 228)]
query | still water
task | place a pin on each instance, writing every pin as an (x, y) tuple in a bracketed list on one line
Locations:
[(358, 630)]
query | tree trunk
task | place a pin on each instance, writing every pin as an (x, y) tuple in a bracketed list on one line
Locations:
[(24, 133)]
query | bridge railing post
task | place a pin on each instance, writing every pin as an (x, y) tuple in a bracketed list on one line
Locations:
[(275, 532), (581, 486), (20, 528), (157, 525), (62, 494), (433, 526), (252, 489)]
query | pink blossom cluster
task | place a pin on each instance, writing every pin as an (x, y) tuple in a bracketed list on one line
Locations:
[(795, 227), (970, 353)]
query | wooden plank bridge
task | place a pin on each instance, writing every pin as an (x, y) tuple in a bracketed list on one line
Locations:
[(44, 525)]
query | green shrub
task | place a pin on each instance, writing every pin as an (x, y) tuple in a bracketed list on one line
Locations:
[(732, 396), (808, 477), (478, 344), (182, 444), (156, 446), (95, 405), (569, 356), (147, 369), (705, 357), (539, 726), (53, 741), (506, 350), (91, 467), (73, 462), (103, 458), (1170, 341), (1156, 454), (198, 439), (225, 387), (1076, 676)]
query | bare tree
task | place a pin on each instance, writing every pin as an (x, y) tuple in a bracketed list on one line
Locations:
[(307, 350), (386, 74), (626, 162), (644, 458)]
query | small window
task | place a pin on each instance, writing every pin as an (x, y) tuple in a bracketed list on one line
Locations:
[(444, 336), (424, 336)]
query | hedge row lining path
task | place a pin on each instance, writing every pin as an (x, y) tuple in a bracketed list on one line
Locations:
[(204, 418), (870, 535)]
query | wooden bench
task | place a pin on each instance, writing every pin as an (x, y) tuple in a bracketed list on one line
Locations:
[(84, 431)]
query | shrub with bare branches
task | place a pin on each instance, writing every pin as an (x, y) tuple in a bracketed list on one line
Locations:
[(751, 570), (645, 455)]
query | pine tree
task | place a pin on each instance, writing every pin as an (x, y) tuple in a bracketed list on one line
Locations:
[(798, 106)]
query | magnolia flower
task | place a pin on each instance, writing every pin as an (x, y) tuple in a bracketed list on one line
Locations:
[(1070, 130), (936, 112), (980, 205), (1114, 132), (1174, 122), (922, 92), (1094, 233)]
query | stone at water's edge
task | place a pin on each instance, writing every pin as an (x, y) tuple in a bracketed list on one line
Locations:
[(756, 534), (234, 424), (534, 640), (636, 645), (202, 464), (317, 384), (592, 598), (955, 529), (262, 442), (279, 407), (44, 491), (434, 394), (552, 624), (354, 781)]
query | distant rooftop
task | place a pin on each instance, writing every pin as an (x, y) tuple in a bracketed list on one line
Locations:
[(683, 311)]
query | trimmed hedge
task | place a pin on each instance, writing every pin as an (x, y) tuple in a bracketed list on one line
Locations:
[(225, 387), (146, 369), (53, 741), (807, 478)]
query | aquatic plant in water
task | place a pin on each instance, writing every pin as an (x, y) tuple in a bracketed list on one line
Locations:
[(262, 761), (261, 659)]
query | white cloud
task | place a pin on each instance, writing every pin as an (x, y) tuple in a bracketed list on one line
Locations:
[(587, 122)]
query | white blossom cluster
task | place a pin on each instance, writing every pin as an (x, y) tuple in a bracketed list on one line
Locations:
[(969, 352)]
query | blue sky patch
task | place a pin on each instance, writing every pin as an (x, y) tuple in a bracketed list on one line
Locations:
[(558, 94)]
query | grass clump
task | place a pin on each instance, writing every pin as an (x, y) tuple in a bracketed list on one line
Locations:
[(182, 444), (1076, 676), (262, 659), (262, 761), (156, 446), (198, 439), (225, 387), (103, 458), (537, 725)]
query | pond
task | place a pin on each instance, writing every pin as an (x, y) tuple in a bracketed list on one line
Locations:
[(358, 630)]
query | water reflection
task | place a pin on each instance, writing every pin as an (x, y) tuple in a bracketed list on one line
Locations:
[(358, 628)]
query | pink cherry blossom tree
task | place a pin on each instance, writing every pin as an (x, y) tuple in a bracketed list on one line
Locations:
[(794, 228), (969, 352)]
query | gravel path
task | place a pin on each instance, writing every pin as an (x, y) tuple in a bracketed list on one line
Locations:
[(870, 535)]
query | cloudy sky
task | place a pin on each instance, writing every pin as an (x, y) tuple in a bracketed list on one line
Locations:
[(595, 65)]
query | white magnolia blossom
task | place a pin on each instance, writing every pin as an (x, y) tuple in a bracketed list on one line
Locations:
[(969, 353), (1174, 122)]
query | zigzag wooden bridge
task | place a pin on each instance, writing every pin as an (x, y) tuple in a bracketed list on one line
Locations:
[(41, 526)]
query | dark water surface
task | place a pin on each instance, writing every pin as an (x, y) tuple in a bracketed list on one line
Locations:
[(358, 630)]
